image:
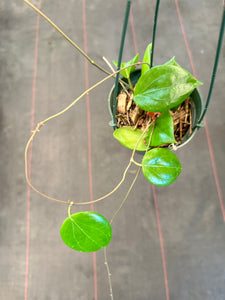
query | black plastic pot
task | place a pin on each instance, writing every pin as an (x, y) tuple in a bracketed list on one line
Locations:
[(196, 108)]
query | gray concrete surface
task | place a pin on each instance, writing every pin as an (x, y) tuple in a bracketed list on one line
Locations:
[(191, 220)]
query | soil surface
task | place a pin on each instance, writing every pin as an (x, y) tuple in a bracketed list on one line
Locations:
[(129, 114)]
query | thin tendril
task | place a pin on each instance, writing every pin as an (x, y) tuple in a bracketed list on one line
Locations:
[(26, 169), (109, 274), (57, 115), (71, 41), (127, 194), (124, 174), (139, 169), (66, 37)]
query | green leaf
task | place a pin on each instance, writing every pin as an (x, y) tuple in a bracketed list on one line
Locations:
[(128, 137), (86, 231), (146, 59), (163, 130), (172, 62), (163, 87), (161, 166), (126, 72)]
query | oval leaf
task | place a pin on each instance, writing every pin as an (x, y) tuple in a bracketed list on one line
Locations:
[(163, 87), (163, 130), (128, 137), (86, 231), (161, 166), (146, 59)]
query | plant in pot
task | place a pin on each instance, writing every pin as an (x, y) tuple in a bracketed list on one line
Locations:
[(158, 111), (146, 102), (158, 108)]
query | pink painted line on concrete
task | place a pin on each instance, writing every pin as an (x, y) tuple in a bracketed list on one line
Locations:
[(133, 31), (214, 169), (212, 158), (185, 39), (155, 196), (89, 141), (30, 155), (161, 243)]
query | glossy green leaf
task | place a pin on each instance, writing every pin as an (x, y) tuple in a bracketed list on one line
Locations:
[(161, 166), (163, 87), (128, 137), (172, 62), (146, 59), (126, 72), (86, 231), (163, 130)]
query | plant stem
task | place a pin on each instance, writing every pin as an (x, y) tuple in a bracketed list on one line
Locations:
[(127, 194), (71, 41), (26, 168), (69, 209), (66, 37), (40, 124), (130, 83), (136, 163), (124, 174), (109, 274), (84, 93), (139, 169)]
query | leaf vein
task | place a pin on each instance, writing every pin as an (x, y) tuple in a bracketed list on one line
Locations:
[(85, 233)]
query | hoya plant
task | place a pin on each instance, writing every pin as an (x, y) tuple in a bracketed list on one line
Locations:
[(158, 91)]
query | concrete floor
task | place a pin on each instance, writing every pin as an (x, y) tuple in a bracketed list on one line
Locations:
[(185, 218)]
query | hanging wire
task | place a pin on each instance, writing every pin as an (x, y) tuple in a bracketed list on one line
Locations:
[(119, 61), (219, 46), (154, 31), (121, 52)]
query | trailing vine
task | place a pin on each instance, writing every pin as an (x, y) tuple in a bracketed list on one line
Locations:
[(157, 90)]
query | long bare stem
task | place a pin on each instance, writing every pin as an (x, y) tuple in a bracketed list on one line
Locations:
[(66, 37), (124, 174), (26, 169), (127, 194), (40, 124), (109, 274)]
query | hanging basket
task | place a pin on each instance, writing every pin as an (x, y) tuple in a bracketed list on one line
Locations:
[(196, 109)]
